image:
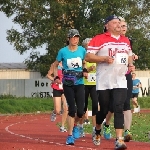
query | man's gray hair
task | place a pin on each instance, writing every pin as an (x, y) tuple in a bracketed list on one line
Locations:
[(86, 41), (121, 19)]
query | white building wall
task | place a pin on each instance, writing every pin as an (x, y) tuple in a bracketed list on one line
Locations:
[(26, 87), (142, 73), (19, 74)]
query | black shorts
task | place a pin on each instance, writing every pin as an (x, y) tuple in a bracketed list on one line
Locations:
[(134, 95), (57, 93)]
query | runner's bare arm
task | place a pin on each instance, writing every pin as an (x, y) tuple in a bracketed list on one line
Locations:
[(140, 85), (85, 71), (84, 64), (95, 59), (55, 65), (130, 60), (51, 72)]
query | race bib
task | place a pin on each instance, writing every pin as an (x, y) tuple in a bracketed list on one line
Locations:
[(122, 58), (91, 77), (60, 86), (74, 63)]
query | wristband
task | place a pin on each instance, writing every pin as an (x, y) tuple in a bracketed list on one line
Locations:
[(85, 70)]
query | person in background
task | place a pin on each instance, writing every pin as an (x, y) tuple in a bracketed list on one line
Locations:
[(86, 118), (135, 92), (90, 89), (58, 97), (72, 57), (112, 53), (127, 108)]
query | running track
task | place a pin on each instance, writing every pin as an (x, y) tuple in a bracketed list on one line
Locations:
[(37, 132)]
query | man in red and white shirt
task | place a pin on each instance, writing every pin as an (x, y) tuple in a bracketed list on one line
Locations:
[(112, 53)]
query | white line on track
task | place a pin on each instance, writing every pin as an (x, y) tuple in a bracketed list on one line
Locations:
[(40, 140)]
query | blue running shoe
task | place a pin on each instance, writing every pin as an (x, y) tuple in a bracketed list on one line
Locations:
[(70, 140), (106, 132), (76, 133), (81, 130)]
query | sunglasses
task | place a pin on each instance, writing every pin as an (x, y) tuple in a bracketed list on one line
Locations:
[(123, 26)]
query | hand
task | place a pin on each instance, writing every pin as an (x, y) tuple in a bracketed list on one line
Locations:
[(85, 74), (134, 57), (109, 60), (92, 68), (131, 67), (57, 81)]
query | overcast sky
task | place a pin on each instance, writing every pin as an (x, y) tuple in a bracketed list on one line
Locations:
[(7, 52)]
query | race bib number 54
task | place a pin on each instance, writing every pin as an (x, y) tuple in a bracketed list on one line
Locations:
[(122, 58)]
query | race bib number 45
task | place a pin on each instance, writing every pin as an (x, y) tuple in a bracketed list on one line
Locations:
[(122, 58)]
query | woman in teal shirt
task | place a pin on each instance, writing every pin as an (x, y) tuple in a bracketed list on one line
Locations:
[(72, 57)]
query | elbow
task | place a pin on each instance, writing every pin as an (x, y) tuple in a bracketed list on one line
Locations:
[(87, 58), (47, 76)]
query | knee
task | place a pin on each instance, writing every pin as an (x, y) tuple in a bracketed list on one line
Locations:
[(126, 106), (65, 108), (118, 109), (111, 110), (72, 113), (80, 114), (94, 110)]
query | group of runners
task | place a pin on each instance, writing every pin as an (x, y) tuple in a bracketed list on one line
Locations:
[(100, 68)]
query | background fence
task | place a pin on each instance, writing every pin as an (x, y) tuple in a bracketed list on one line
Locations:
[(41, 87), (26, 87)]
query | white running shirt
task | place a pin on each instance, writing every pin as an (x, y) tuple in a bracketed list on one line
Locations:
[(110, 76)]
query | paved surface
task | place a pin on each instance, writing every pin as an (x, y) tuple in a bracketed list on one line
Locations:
[(37, 132)]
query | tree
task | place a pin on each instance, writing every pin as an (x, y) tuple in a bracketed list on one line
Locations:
[(46, 22)]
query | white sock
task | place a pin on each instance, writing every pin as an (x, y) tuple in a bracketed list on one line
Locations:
[(93, 128), (81, 125)]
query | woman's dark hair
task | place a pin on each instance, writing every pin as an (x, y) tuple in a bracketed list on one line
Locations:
[(67, 42)]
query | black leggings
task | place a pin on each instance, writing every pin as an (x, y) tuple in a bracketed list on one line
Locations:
[(129, 92), (75, 98), (116, 97), (91, 90)]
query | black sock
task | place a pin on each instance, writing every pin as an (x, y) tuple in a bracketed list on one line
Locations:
[(127, 130), (98, 131), (106, 125)]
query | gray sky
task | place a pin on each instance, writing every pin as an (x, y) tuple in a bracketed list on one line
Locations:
[(7, 52)]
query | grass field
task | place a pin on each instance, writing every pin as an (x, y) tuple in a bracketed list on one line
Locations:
[(12, 105), (140, 127)]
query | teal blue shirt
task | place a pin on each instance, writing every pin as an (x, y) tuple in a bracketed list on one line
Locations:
[(72, 60), (136, 82)]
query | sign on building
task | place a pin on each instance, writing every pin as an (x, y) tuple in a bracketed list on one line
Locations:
[(38, 88)]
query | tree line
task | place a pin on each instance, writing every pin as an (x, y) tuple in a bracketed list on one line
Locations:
[(46, 22)]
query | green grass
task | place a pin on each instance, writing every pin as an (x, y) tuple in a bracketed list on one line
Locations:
[(140, 127), (13, 105), (25, 105)]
